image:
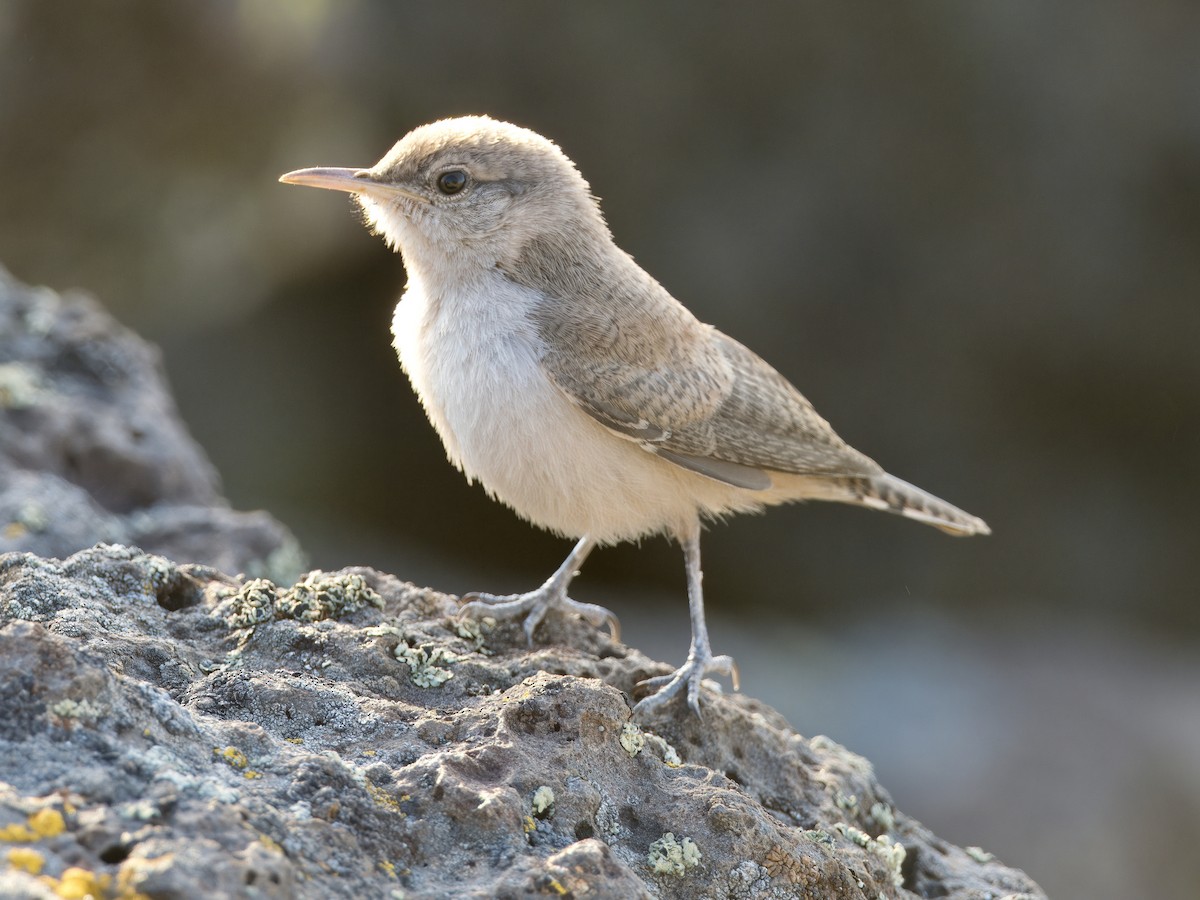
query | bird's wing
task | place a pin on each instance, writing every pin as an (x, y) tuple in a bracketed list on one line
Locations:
[(764, 421), (637, 361)]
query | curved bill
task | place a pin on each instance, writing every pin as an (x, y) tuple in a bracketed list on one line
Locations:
[(352, 181)]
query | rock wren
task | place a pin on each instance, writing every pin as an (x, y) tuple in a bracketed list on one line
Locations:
[(571, 384)]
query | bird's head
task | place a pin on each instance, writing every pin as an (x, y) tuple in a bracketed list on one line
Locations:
[(466, 191)]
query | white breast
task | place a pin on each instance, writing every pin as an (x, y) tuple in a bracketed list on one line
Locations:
[(473, 358)]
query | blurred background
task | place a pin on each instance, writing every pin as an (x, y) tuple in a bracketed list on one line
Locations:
[(968, 231)]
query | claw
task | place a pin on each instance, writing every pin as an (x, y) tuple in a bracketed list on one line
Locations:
[(689, 676), (533, 607)]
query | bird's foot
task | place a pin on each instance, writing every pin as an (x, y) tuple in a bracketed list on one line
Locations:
[(534, 605), (690, 676)]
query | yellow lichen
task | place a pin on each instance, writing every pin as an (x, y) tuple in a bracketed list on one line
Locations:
[(44, 823), (543, 801), (47, 823), (383, 797), (16, 833), (80, 884), (26, 859), (233, 756), (388, 867), (126, 878)]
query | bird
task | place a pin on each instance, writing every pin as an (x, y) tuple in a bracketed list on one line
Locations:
[(574, 387)]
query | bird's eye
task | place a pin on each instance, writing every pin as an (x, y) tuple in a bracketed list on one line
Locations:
[(452, 182)]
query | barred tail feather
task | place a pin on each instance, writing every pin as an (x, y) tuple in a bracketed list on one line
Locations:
[(890, 494)]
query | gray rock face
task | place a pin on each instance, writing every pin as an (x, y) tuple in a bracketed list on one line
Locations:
[(170, 731), (92, 447), (349, 737)]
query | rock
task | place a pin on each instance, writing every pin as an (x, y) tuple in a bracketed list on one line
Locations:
[(92, 447), (171, 731), (313, 755)]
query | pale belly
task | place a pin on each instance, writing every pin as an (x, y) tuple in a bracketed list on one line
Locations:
[(506, 425)]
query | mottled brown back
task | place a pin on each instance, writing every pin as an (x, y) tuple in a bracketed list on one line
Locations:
[(634, 358)]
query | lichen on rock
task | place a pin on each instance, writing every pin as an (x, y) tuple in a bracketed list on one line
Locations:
[(671, 856), (319, 747)]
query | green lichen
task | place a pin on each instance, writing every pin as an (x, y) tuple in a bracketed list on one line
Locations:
[(24, 612), (252, 605), (82, 710), (979, 854), (27, 580), (425, 666), (319, 596), (818, 836), (632, 739), (475, 631), (891, 853), (883, 816), (383, 630), (669, 856), (160, 572)]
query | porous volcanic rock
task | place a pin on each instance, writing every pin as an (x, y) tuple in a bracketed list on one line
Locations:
[(349, 737), (168, 730)]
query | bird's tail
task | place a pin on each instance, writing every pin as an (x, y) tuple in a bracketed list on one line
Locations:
[(890, 494)]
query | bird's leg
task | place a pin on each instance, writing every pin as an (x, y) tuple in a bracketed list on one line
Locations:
[(534, 605), (700, 661)]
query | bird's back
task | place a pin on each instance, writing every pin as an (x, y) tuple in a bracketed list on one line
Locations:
[(624, 351)]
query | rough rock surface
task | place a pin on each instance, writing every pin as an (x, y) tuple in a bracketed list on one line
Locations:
[(170, 731), (349, 737), (92, 447)]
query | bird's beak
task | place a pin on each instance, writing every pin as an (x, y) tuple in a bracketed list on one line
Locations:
[(352, 181)]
